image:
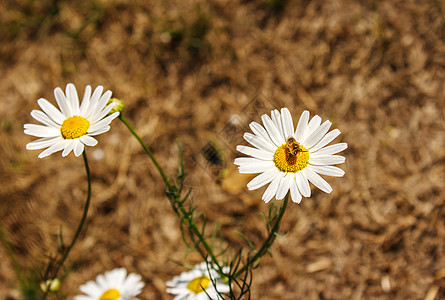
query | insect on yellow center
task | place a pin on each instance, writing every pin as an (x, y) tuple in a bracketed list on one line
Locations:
[(285, 161), (198, 284), (111, 294), (74, 127)]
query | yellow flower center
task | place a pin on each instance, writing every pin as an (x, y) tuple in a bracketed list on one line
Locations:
[(74, 127), (285, 161), (111, 294), (198, 284)]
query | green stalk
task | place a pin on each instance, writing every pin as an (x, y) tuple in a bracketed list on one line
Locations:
[(268, 242), (161, 171), (183, 211), (82, 220), (201, 239)]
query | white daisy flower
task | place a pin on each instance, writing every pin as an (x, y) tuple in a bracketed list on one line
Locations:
[(73, 126), (198, 284), (113, 285), (289, 159)]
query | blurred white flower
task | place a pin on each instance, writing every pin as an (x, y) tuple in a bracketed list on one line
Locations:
[(113, 285), (198, 284)]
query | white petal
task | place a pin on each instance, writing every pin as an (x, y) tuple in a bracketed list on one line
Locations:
[(283, 188), (101, 113), (43, 118), (105, 98), (329, 137), (53, 148), (311, 127), (272, 188), (301, 126), (133, 283), (102, 123), (327, 170), (303, 184), (90, 288), (42, 143), (119, 276), (88, 140), (272, 130), (262, 179), (100, 104), (78, 148), (294, 193), (276, 119), (223, 288), (41, 131), (332, 149), (68, 148), (102, 130), (257, 168), (259, 142), (85, 101), (241, 161), (325, 160), (81, 297), (93, 101), (102, 282), (257, 153), (259, 131), (317, 135), (62, 102), (317, 180), (288, 124), (73, 98), (51, 111)]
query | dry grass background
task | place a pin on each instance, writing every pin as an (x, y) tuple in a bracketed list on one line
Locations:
[(198, 71)]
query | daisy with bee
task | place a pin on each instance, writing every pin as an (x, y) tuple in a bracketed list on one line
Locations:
[(289, 157)]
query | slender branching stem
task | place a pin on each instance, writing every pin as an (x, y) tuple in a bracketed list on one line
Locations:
[(186, 216), (182, 212), (201, 238), (268, 242)]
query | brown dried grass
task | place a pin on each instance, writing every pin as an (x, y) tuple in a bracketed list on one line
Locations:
[(376, 69)]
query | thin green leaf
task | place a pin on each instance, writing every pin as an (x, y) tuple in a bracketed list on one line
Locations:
[(251, 245), (281, 235)]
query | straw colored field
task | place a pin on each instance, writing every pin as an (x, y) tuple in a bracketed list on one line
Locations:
[(196, 72)]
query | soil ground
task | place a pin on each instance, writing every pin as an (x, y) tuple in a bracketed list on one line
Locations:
[(199, 72)]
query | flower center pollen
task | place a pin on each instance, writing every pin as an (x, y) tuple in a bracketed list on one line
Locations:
[(198, 284), (111, 294), (74, 127), (285, 161)]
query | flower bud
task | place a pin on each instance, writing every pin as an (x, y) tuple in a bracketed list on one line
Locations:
[(52, 284), (118, 105)]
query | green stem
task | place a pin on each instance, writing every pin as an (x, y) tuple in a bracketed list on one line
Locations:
[(201, 239), (268, 242), (171, 189), (82, 220), (164, 177)]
